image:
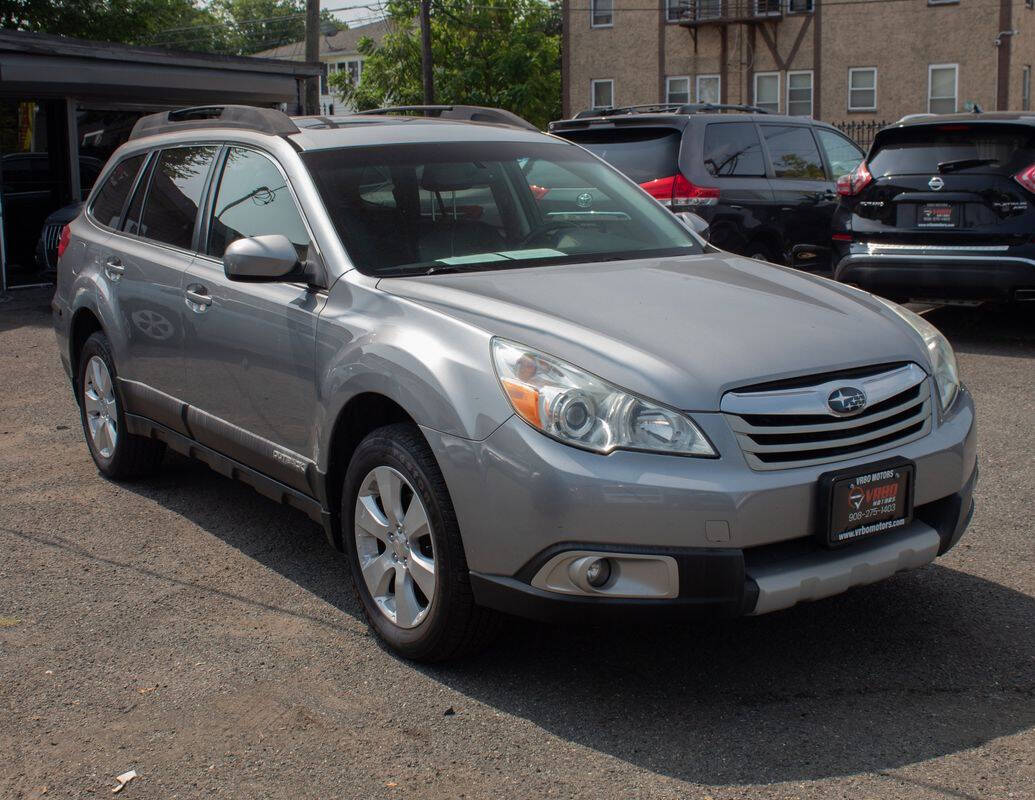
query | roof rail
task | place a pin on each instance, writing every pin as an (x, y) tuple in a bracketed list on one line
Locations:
[(669, 108), (499, 116), (255, 118)]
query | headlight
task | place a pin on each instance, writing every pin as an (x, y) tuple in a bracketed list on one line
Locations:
[(939, 351), (581, 409)]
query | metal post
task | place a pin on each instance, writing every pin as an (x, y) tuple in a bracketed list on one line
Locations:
[(75, 188), (425, 52), (312, 54)]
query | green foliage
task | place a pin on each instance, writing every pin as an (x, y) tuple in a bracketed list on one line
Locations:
[(500, 53), (219, 26)]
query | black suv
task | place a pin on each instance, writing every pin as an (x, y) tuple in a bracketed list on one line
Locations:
[(764, 182), (942, 210)]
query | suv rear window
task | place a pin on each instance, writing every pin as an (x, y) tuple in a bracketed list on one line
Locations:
[(644, 154), (984, 147), (732, 149)]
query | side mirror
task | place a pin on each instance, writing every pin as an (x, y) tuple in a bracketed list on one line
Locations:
[(695, 223), (261, 258)]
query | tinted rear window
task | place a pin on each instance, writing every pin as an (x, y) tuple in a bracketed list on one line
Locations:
[(644, 154), (107, 207), (732, 148), (919, 151)]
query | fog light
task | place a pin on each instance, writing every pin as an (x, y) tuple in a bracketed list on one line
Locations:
[(598, 573)]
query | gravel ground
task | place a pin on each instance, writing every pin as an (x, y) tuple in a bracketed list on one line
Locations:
[(191, 630)]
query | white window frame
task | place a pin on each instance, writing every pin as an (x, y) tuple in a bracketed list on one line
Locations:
[(593, 14), (697, 87), (956, 86), (593, 92), (668, 89), (772, 12), (754, 89), (851, 72), (812, 90)]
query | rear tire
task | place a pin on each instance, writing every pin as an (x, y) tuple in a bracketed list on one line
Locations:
[(761, 251), (118, 454), (395, 509)]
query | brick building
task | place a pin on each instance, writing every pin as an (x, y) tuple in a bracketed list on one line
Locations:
[(839, 60)]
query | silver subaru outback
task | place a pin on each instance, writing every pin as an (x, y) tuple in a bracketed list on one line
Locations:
[(501, 376)]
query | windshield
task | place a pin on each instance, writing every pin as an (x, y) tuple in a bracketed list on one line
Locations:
[(412, 209), (954, 147)]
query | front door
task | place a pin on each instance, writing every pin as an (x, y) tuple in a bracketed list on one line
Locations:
[(250, 348), (803, 194)]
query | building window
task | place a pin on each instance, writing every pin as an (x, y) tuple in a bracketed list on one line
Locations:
[(677, 90), (325, 70), (602, 93), (942, 2), (800, 6), (799, 94), (767, 91), (709, 89), (767, 8), (354, 70), (1026, 87), (601, 13), (708, 9), (942, 82), (862, 89), (675, 10)]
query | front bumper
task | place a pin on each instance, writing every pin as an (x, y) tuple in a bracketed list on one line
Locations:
[(744, 540), (939, 276)]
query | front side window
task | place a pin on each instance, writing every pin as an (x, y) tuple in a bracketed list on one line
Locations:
[(677, 90), (862, 89), (708, 89), (799, 94), (602, 93), (111, 198), (793, 152), (174, 194), (941, 88), (767, 91), (254, 200), (733, 149), (841, 152), (601, 13), (426, 208)]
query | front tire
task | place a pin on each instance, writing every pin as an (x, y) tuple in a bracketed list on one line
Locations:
[(403, 545), (118, 454)]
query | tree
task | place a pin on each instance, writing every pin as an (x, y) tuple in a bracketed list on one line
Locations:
[(499, 53)]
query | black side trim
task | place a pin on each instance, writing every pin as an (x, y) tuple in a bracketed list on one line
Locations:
[(264, 485), (951, 515), (139, 398)]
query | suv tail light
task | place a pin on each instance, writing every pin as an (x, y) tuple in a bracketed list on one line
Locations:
[(66, 234), (854, 182), (1026, 178), (675, 190)]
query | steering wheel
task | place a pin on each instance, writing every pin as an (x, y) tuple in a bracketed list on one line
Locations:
[(546, 227)]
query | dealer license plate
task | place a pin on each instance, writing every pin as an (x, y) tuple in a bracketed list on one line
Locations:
[(866, 502)]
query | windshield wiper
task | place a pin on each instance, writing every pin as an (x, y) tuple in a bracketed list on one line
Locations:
[(965, 163)]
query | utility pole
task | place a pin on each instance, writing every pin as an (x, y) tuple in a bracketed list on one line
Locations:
[(312, 55), (425, 52)]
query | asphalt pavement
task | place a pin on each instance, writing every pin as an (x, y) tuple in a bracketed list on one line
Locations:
[(188, 629)]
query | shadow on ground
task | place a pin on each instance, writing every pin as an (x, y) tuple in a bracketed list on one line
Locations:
[(924, 665), (988, 330)]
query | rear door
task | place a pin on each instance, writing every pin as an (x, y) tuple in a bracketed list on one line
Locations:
[(947, 184), (145, 266), (803, 192)]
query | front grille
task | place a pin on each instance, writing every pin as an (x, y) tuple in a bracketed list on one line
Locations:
[(793, 427), (51, 236)]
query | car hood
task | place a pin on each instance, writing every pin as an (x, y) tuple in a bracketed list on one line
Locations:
[(679, 330)]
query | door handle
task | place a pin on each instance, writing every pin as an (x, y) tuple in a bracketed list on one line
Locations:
[(113, 268), (197, 298)]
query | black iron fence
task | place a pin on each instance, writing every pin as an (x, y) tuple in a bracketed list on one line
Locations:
[(859, 131)]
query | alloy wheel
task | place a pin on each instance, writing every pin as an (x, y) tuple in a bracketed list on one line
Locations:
[(101, 407), (395, 548)]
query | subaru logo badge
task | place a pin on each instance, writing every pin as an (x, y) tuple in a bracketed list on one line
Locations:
[(584, 200), (846, 400), (936, 183)]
